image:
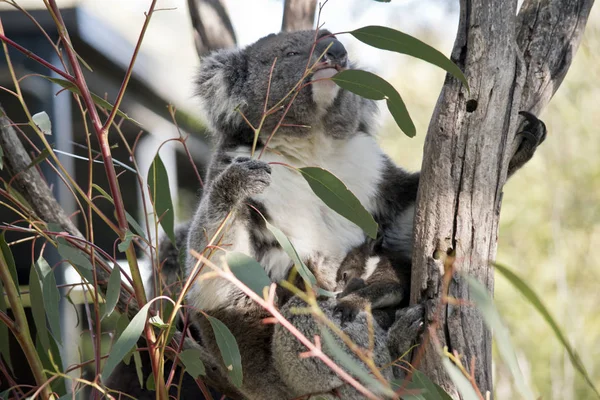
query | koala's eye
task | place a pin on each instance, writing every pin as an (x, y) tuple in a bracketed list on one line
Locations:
[(292, 53), (345, 276)]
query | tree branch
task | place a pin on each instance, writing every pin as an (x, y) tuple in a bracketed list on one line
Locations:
[(469, 143), (298, 15), (211, 24)]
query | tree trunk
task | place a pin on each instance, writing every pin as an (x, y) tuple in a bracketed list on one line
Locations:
[(298, 15), (512, 63), (211, 24)]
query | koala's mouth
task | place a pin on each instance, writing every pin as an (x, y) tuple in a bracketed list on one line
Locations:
[(328, 65), (325, 71)]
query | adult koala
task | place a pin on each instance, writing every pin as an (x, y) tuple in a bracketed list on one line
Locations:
[(325, 126)]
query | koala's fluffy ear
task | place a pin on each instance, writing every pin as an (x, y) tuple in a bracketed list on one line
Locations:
[(220, 87)]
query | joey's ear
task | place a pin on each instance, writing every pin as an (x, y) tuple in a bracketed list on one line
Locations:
[(220, 86)]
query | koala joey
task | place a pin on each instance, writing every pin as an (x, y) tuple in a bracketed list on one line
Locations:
[(325, 126), (371, 275)]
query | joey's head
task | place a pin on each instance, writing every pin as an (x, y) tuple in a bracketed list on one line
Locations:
[(235, 82)]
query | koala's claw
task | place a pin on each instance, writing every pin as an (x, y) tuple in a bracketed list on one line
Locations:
[(348, 312), (533, 134), (253, 175)]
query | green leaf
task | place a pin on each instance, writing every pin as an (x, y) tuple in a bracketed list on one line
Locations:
[(4, 339), (51, 361), (192, 362), (42, 120), (371, 86), (351, 365), (113, 290), (124, 245), (462, 384), (536, 302), (249, 271), (428, 389), (38, 310), (158, 322), (483, 301), (229, 350), (76, 257), (51, 297), (137, 362), (336, 196), (158, 181), (290, 250), (126, 341), (10, 261), (99, 101), (1, 158), (45, 153), (150, 385), (386, 38)]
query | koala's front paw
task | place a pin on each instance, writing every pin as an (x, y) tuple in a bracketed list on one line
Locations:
[(405, 331), (246, 176), (348, 308), (533, 134)]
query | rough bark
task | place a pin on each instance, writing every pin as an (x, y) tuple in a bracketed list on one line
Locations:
[(211, 24), (298, 15), (512, 63)]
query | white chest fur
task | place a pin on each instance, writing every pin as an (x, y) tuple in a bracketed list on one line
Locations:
[(316, 231)]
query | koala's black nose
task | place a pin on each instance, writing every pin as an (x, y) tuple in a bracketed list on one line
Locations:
[(336, 52)]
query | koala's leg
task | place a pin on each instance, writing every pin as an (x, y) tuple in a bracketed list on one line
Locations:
[(378, 294), (309, 375), (532, 135), (404, 333), (224, 196)]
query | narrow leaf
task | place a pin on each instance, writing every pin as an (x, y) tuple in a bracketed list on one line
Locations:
[(36, 299), (126, 341), (1, 158), (124, 245), (99, 101), (249, 271), (351, 365), (339, 198), (42, 120), (10, 261), (44, 154), (4, 339), (113, 290), (229, 350), (51, 297), (536, 302), (290, 250), (371, 86), (193, 364), (76, 257), (137, 362), (386, 38), (150, 384), (483, 301), (158, 181), (428, 389), (462, 384)]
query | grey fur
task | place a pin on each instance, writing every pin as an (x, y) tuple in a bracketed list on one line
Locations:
[(237, 80)]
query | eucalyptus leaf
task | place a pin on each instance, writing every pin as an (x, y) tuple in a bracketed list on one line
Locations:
[(124, 245), (99, 101), (158, 182), (371, 86), (42, 120), (466, 390), (192, 362), (4, 338), (428, 389), (248, 271), (113, 290), (339, 198), (38, 311), (10, 261), (126, 341), (51, 297), (351, 365), (229, 350), (483, 301), (386, 38), (536, 302)]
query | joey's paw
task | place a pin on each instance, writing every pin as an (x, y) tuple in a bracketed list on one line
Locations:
[(347, 310), (410, 319), (252, 176), (352, 286), (532, 134)]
